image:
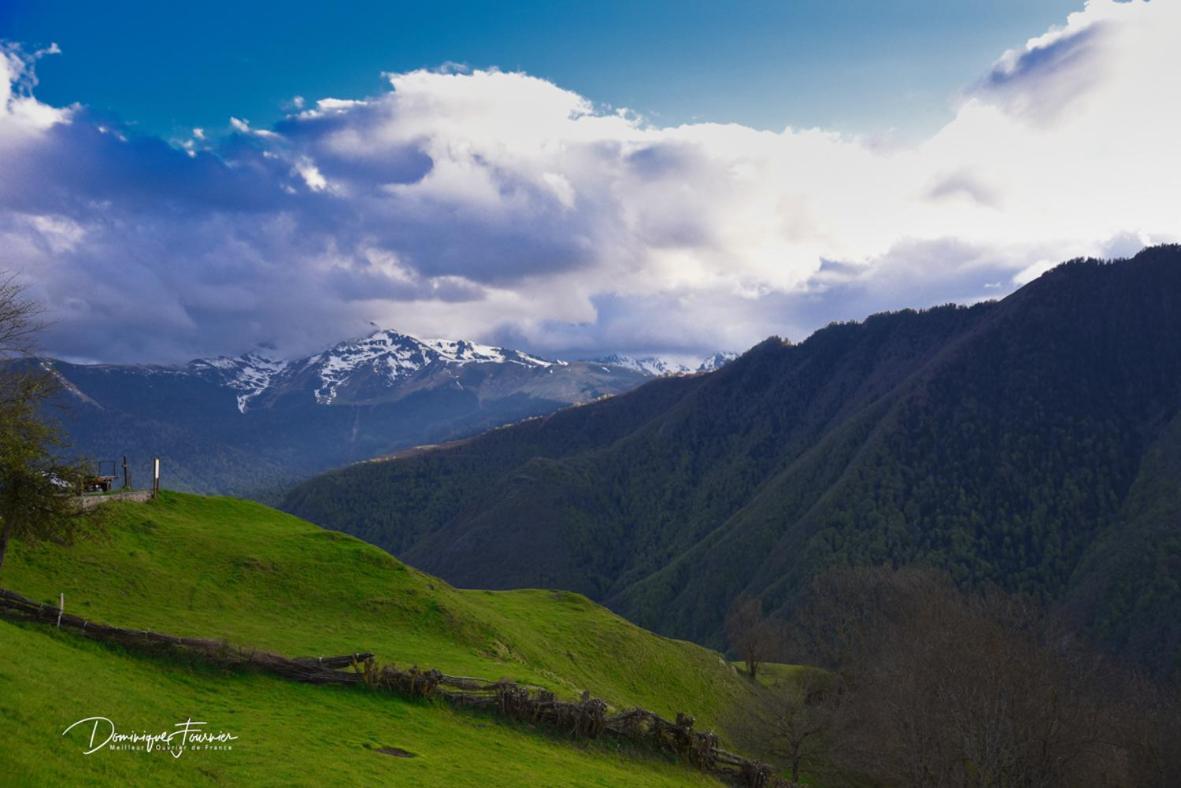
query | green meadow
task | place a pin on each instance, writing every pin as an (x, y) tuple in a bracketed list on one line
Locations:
[(288, 733), (229, 569)]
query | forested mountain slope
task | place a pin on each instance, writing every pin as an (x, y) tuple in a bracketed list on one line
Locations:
[(1017, 442)]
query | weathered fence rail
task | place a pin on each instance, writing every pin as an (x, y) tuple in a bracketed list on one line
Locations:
[(585, 718)]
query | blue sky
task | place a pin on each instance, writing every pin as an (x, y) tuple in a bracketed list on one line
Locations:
[(782, 165), (855, 65)]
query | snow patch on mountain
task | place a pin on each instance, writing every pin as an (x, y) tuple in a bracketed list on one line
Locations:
[(65, 383), (460, 351), (248, 375)]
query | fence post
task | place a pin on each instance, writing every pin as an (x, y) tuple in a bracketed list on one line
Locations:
[(61, 608), (155, 477)]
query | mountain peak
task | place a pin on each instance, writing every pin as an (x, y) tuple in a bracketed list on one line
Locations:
[(393, 356), (658, 366)]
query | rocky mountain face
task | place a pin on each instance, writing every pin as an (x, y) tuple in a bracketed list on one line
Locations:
[(1031, 442), (251, 425)]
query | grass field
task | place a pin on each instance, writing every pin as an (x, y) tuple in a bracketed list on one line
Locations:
[(287, 733), (226, 568)]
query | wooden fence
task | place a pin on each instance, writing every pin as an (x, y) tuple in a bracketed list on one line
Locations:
[(585, 718)]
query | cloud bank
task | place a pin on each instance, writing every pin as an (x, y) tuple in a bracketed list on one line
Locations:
[(500, 207)]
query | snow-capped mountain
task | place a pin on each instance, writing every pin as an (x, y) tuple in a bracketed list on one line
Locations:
[(386, 356), (387, 364), (658, 366), (716, 361), (395, 356), (251, 422)]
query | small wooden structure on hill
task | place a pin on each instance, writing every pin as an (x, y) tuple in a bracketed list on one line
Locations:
[(100, 481)]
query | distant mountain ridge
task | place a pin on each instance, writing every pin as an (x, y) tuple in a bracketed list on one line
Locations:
[(251, 424), (1031, 442), (658, 366), (353, 366)]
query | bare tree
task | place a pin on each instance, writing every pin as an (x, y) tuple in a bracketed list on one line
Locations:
[(750, 634), (946, 688), (19, 319), (792, 722), (1148, 729)]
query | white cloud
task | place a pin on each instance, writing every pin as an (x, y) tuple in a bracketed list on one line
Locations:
[(311, 175), (21, 115), (500, 206), (243, 127)]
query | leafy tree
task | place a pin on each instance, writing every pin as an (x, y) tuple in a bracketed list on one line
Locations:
[(36, 492)]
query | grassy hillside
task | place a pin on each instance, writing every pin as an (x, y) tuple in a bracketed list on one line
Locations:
[(289, 734), (232, 569)]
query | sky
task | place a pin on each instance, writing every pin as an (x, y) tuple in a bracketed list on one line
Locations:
[(567, 178)]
